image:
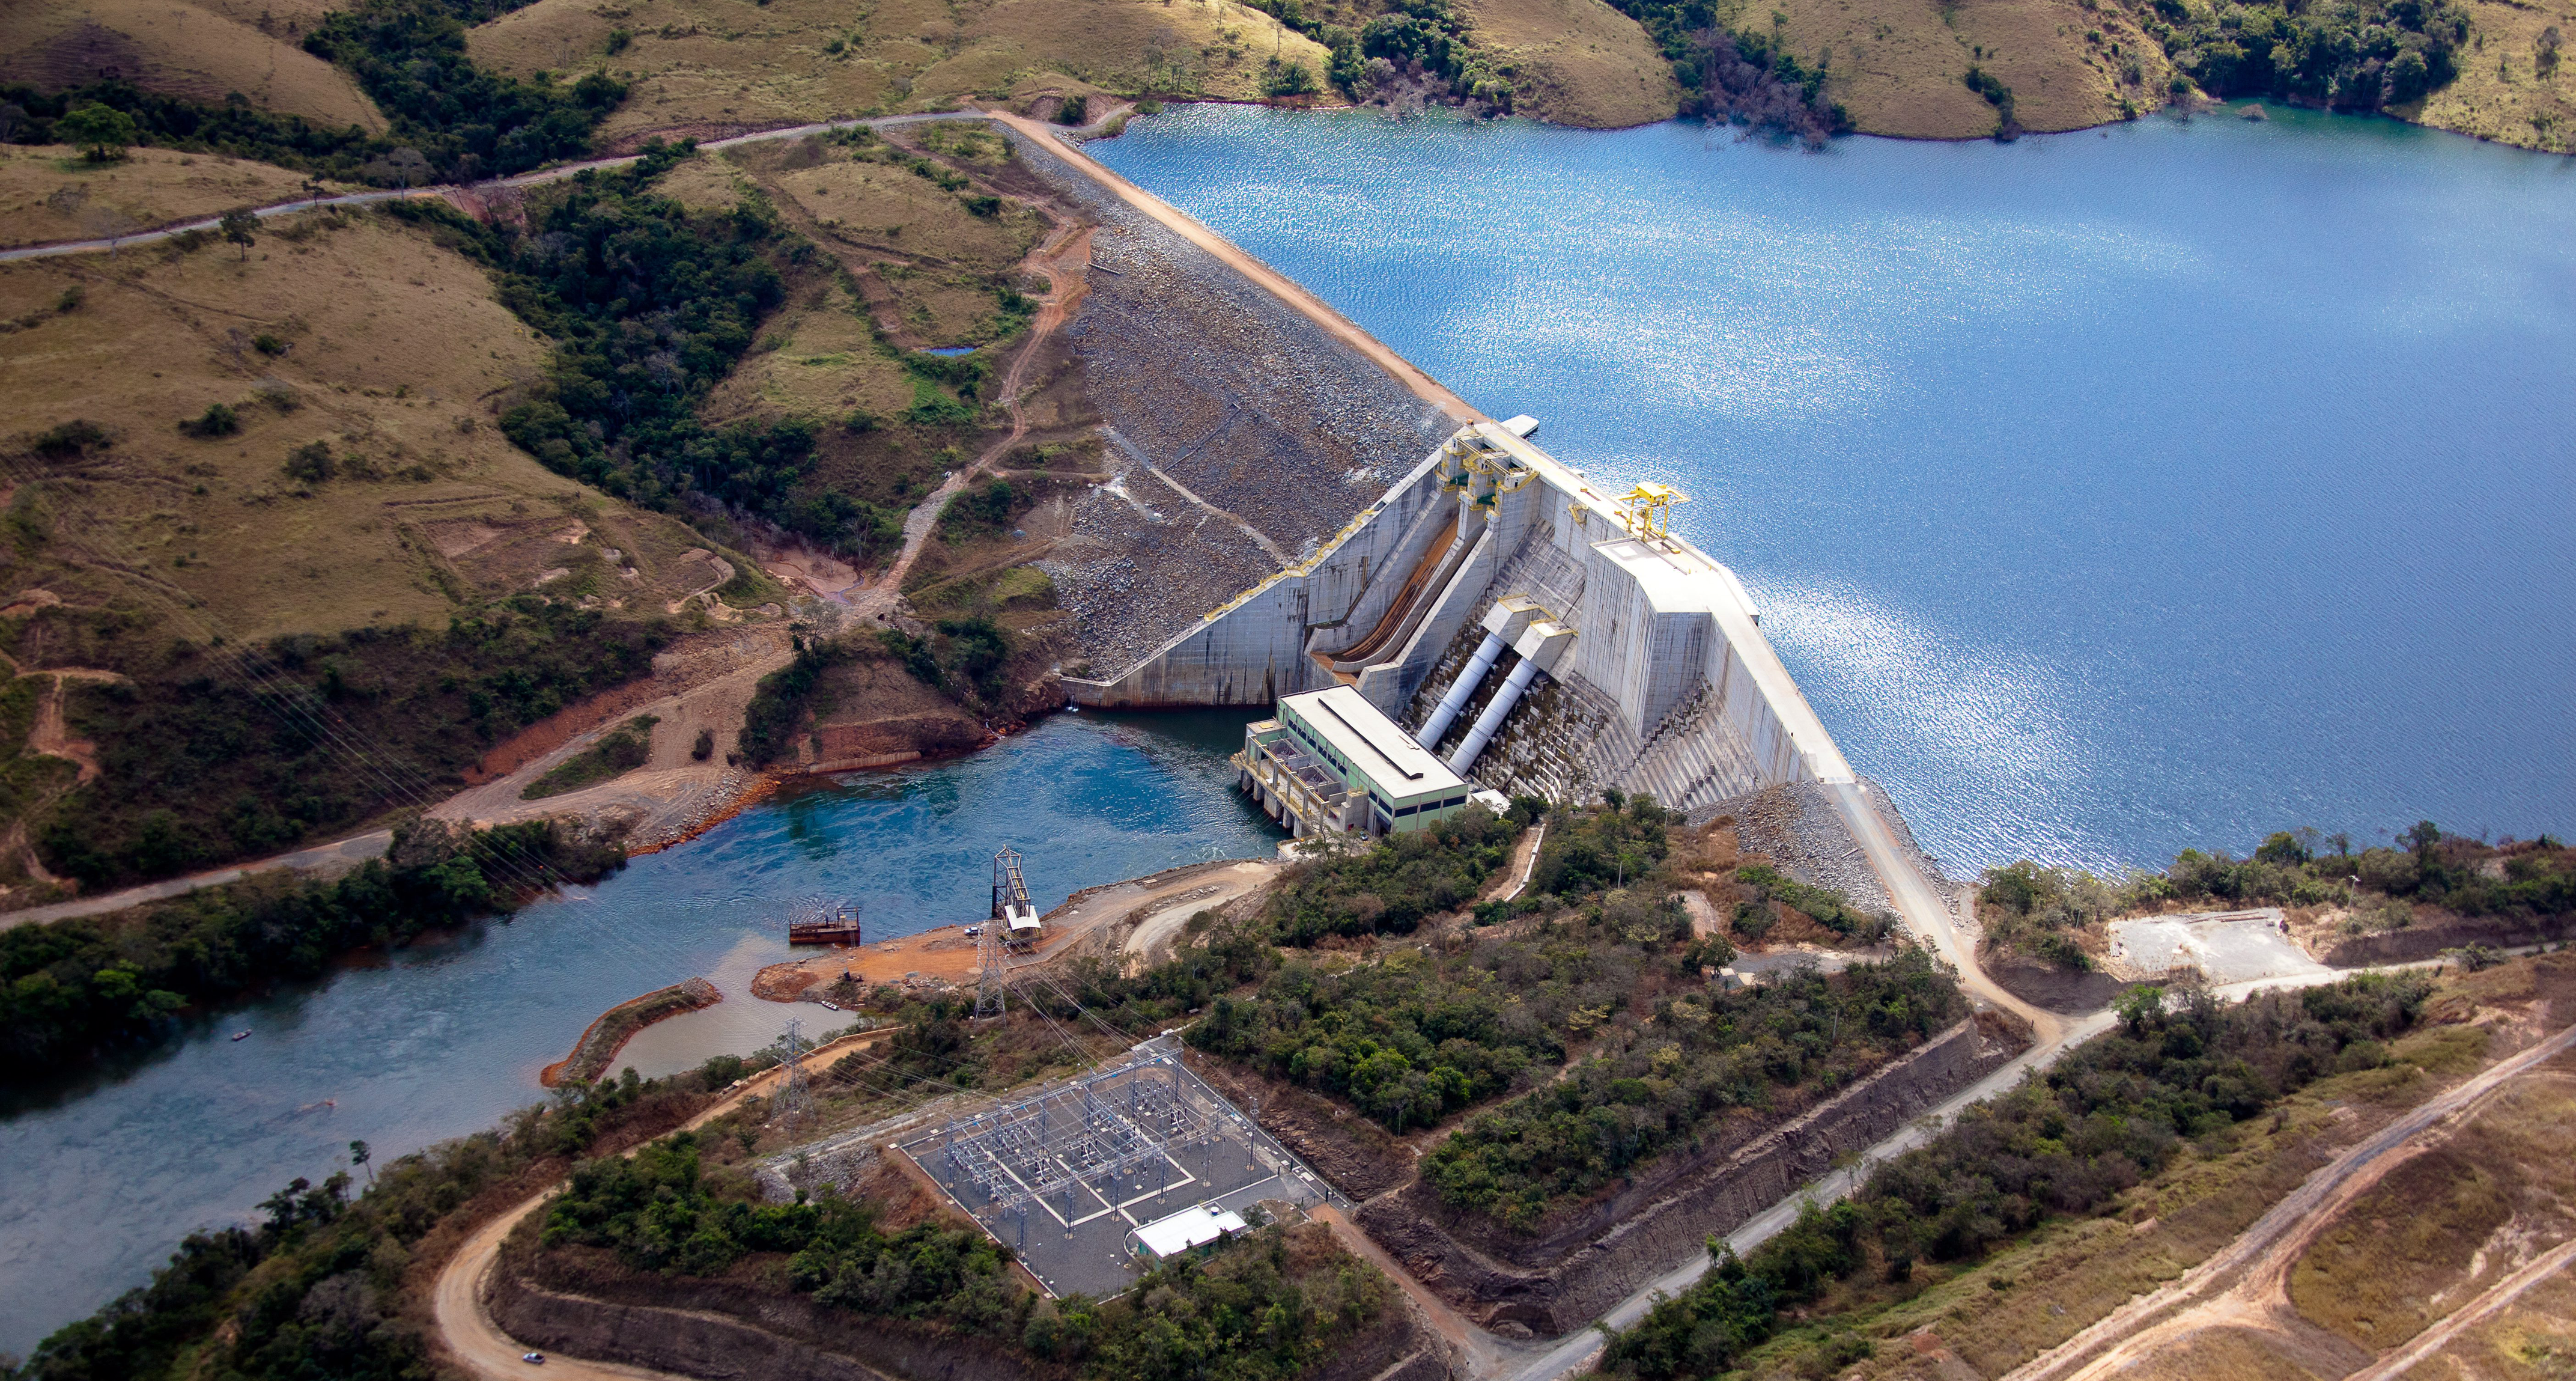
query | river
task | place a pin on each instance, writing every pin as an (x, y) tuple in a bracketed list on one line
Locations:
[(2108, 493), (99, 1178)]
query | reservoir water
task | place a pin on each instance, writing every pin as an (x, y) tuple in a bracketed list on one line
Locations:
[(2108, 493), (99, 1180)]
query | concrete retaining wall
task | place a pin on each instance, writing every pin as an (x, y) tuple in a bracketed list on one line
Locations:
[(1254, 650), (1553, 1283), (721, 1330)]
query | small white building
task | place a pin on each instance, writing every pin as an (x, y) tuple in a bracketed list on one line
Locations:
[(1192, 1229)]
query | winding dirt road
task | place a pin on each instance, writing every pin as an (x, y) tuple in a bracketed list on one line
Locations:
[(2246, 1285), (465, 1328)]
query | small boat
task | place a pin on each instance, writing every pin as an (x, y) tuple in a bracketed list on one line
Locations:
[(242, 1035)]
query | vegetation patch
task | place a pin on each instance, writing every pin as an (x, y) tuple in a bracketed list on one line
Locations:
[(621, 750), (1649, 1087), (2040, 911), (2065, 1144), (202, 762), (651, 304), (1390, 886), (1410, 1039), (778, 705), (2343, 57)]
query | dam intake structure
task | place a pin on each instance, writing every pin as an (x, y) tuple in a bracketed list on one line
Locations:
[(1535, 634)]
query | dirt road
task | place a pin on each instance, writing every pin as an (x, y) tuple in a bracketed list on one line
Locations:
[(2246, 1285), (477, 1345), (1061, 259)]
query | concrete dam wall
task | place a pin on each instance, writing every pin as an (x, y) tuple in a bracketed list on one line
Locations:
[(1665, 685)]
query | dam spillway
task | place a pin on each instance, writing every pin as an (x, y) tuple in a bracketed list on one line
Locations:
[(1628, 659)]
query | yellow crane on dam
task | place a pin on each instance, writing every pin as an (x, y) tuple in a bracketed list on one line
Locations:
[(1647, 510)]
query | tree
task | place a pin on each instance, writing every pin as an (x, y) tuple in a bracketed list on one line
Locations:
[(359, 1155), (101, 133), (237, 226), (2139, 1006)]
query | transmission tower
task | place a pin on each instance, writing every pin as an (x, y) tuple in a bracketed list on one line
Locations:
[(988, 969), (1010, 906), (795, 1101)]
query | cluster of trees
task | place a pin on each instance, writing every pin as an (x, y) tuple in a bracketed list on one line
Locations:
[(1596, 850), (1409, 1040), (1833, 910), (70, 987), (214, 753), (966, 657), (2031, 908), (315, 1289), (2064, 1143), (1746, 76), (651, 304), (1390, 886), (449, 118), (1269, 1307), (2357, 56), (777, 707), (460, 120), (1646, 1090)]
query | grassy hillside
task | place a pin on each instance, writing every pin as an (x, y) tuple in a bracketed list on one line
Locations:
[(1574, 62), (725, 63), (2509, 89), (47, 193), (202, 52)]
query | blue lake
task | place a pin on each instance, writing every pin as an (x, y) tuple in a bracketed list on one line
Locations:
[(2108, 493), (99, 1180)]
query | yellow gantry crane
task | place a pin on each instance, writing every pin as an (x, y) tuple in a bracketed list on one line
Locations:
[(1648, 509)]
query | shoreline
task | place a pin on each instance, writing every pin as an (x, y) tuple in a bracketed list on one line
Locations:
[(586, 1063)]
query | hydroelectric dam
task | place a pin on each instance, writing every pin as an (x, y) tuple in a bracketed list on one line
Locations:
[(1534, 633)]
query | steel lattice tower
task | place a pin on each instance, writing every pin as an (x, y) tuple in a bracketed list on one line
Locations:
[(795, 1101), (988, 966)]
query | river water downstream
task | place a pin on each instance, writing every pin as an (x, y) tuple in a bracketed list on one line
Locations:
[(2107, 493), (100, 1179)]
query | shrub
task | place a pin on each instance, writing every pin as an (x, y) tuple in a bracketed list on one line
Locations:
[(1075, 110), (217, 420), (2066, 1142), (311, 462), (76, 437)]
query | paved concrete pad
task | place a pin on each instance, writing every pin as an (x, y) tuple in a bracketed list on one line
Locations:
[(2225, 946)]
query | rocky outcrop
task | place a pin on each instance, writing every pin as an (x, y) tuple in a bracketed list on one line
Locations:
[(1557, 1280)]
